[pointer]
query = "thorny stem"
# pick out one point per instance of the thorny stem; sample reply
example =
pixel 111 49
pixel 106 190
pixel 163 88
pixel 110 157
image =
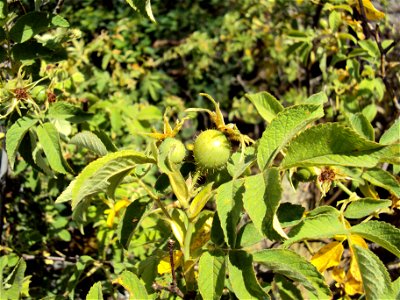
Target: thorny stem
pixel 171 244
pixel 368 33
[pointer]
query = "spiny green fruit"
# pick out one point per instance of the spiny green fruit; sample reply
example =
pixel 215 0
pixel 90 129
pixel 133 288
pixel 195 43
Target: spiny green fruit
pixel 211 150
pixel 177 148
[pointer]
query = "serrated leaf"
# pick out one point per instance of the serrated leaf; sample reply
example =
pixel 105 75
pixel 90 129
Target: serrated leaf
pixel 316 226
pixel 266 104
pixel 384 234
pixel 95 292
pixel 383 179
pixel 211 275
pixel 99 175
pixel 16 280
pixel 328 256
pixel 364 207
pixel 89 140
pixel 242 277
pixel 283 128
pixel 392 135
pixel 261 201
pixel 50 140
pixel 133 285
pixel 332 144
pixel 375 278
pixel 67 111
pixel 143 6
pixel 15 134
pixel 295 267
pixel 129 221
pixel 229 206
pixel 362 126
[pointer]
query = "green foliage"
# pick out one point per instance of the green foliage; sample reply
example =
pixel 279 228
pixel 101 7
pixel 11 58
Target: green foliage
pixel 101 197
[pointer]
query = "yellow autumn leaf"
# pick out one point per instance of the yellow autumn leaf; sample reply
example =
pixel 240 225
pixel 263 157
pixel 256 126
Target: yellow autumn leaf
pixel 353 284
pixel 371 12
pixel 328 256
pixel 113 211
pixel 164 265
pixel 358 240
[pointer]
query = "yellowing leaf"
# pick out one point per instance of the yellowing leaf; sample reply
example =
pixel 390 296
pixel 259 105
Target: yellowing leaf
pixel 353 284
pixel 358 240
pixel 328 256
pixel 371 12
pixel 164 265
pixel 203 235
pixel 339 275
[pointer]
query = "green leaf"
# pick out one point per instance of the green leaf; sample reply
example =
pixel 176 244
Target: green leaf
pixel 261 201
pixel 28 25
pixel 383 179
pixel 143 7
pixel 283 128
pixel 15 135
pixel 95 292
pixel 295 267
pixel 332 144
pixel 248 236
pixel 375 278
pixel 384 234
pixel 371 47
pixel 320 223
pixel 266 104
pixel 16 279
pixel 392 135
pixel 287 290
pixel 59 21
pixel 290 214
pixel 242 277
pixel 3 9
pixel 89 140
pixel 50 141
pixel 362 126
pixel 334 20
pixel 211 275
pixel 178 185
pixel 200 200
pixel 66 111
pixel 66 195
pixel 130 220
pixel 317 99
pixel 133 285
pixel 364 207
pixel 229 206
pixel 101 174
pixel 73 280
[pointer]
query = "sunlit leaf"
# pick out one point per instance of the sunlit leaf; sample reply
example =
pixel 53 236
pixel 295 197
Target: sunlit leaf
pixel 328 256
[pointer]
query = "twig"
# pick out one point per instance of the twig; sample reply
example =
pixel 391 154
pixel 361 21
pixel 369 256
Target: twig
pixel 376 34
pixel 58 7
